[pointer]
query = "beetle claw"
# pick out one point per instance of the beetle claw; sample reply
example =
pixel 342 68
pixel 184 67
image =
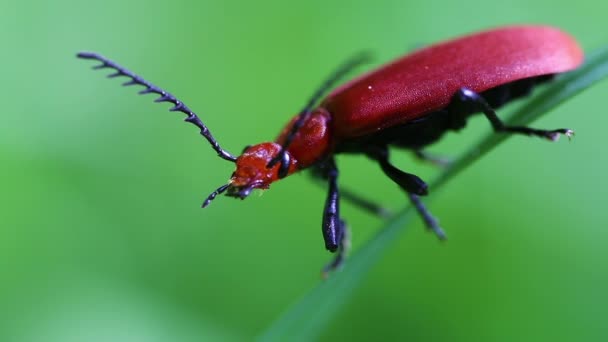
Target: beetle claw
pixel 555 134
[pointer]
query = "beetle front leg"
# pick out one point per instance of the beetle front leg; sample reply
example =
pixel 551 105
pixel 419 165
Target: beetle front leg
pixel 332 225
pixel 342 252
pixel 320 175
pixel 468 100
pixel 335 232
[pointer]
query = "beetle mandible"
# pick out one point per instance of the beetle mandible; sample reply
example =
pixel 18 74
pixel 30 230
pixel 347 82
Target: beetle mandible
pixel 408 103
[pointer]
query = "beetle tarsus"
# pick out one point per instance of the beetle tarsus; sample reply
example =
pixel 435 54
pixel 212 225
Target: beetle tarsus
pixel 341 254
pixel 164 97
pixel 557 133
pixel 430 221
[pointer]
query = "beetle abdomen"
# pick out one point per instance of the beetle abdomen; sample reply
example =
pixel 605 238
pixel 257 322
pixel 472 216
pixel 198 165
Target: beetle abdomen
pixel 425 81
pixel 425 130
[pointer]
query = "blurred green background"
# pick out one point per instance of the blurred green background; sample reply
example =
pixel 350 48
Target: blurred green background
pixel 102 237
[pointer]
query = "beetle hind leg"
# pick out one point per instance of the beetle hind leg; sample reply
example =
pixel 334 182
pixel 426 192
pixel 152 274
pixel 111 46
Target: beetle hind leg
pixel 470 101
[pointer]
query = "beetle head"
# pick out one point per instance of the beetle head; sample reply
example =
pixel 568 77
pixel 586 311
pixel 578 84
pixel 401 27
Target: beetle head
pixel 252 172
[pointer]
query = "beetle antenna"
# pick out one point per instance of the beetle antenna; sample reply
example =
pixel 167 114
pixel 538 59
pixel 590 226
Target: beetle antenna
pixel 164 97
pixel 214 194
pixel 345 68
pixel 330 82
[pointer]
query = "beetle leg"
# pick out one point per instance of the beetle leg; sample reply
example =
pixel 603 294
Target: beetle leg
pixel 406 181
pixel 319 173
pixel 335 232
pixel 474 102
pixel 342 253
pixel 332 226
pixel 365 204
pixel 410 183
pixel 429 220
pixel 305 113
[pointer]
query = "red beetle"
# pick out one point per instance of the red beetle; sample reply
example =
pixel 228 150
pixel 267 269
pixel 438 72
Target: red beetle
pixel 408 103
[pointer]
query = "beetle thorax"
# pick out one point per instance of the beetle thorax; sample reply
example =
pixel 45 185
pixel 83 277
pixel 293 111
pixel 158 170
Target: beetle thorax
pixel 313 141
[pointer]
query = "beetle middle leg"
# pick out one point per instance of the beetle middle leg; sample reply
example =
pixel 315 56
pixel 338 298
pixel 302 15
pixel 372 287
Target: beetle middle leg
pixel 411 184
pixel 468 101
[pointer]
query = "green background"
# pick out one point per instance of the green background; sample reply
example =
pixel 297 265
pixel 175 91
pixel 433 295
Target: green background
pixel 102 237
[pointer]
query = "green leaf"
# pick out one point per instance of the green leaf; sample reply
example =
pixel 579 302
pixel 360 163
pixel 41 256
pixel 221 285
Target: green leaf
pixel 309 317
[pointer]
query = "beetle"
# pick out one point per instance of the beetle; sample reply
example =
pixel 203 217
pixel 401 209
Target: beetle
pixel 408 103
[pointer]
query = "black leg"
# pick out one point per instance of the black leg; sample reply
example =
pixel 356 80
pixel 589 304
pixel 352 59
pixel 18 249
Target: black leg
pixel 407 181
pixel 365 204
pixel 429 220
pixel 411 184
pixel 329 83
pixel 320 173
pixel 332 225
pixel 342 253
pixel 164 97
pixel 469 101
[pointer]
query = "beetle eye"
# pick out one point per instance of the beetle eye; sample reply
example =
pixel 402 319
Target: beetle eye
pixel 246 148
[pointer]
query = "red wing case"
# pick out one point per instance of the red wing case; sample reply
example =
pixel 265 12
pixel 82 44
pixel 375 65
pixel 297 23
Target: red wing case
pixel 425 81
